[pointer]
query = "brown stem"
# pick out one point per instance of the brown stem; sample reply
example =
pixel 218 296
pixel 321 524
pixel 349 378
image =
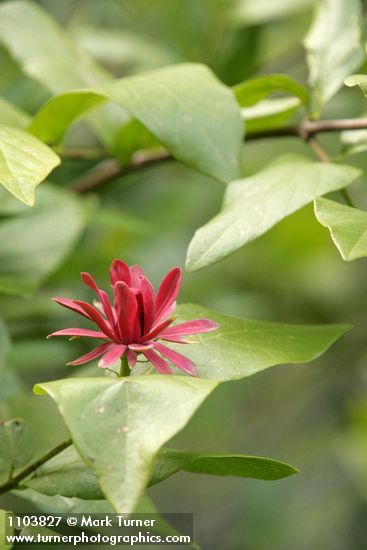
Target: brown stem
pixel 14 482
pixel 324 157
pixel 109 169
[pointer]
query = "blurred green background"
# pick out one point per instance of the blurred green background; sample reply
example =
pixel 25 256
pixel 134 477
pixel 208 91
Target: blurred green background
pixel 314 416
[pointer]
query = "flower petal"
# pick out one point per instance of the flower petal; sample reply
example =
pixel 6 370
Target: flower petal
pixel 90 355
pixel 131 358
pixel 79 332
pixel 136 273
pixel 182 362
pixel 160 364
pixel 127 313
pixel 114 353
pixel 102 295
pixel 197 326
pixel 119 271
pixel 167 292
pixel 156 331
pixel 69 304
pixel 95 316
pixel 147 297
pixel 140 347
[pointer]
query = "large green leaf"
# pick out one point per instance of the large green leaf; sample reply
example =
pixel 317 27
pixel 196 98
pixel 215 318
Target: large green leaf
pixel 254 90
pixel 67 475
pixel 24 162
pixel 254 204
pixel 243 347
pixel 52 226
pixel 190 112
pixel 335 47
pixel 118 426
pixel 184 106
pixel 347 226
pixel 12 116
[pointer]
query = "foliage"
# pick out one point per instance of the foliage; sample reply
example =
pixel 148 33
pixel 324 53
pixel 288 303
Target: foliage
pixel 122 142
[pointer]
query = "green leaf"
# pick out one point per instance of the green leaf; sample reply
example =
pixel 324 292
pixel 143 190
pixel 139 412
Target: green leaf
pixel 11 115
pixel 270 113
pixel 184 106
pixel 54 225
pixel 190 112
pixel 347 226
pixel 118 426
pixel 170 461
pixel 67 475
pixel 24 162
pixel 256 203
pixel 242 347
pixel 254 90
pixel 53 119
pixel 335 47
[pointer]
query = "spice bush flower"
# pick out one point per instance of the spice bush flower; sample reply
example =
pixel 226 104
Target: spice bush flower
pixel 136 322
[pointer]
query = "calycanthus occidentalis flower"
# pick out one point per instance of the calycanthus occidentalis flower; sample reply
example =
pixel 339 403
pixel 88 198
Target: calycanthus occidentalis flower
pixel 136 322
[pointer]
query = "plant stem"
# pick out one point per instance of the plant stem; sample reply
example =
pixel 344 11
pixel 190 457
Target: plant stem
pixel 124 368
pixel 325 157
pixel 109 169
pixel 14 481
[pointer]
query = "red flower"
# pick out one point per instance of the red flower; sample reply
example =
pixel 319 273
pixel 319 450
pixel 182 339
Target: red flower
pixel 135 322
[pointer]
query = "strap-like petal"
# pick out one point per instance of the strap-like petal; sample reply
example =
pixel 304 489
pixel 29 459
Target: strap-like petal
pixel 114 352
pixel 127 313
pixel 167 292
pixel 90 355
pixel 102 295
pixel 156 331
pixel 146 292
pixel 119 271
pixel 95 316
pixel 79 332
pixel 160 364
pixel 70 304
pixel 196 326
pixel 182 362
pixel 131 358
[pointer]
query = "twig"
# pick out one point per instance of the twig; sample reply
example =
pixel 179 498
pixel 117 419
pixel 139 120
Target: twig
pixel 324 157
pixel 14 482
pixel 109 169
